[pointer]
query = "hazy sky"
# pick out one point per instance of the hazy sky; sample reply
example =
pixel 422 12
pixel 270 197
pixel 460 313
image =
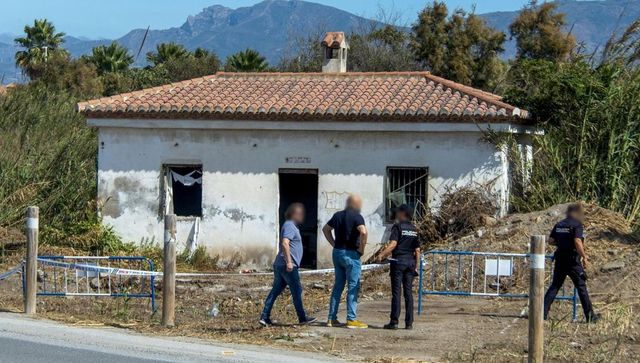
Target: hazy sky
pixel 114 18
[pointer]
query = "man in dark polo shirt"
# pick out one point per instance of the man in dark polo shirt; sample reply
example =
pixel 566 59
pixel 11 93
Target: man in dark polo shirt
pixel 348 246
pixel 404 248
pixel 570 260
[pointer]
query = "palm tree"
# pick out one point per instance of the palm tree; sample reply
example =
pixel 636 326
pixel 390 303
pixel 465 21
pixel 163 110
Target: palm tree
pixel 201 53
pixel 112 58
pixel 247 60
pixel 167 51
pixel 39 42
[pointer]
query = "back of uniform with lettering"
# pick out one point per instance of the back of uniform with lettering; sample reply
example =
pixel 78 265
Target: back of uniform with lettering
pixel 564 233
pixel 407 236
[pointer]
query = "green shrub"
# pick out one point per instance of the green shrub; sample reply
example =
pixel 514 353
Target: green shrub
pixel 590 149
pixel 47 158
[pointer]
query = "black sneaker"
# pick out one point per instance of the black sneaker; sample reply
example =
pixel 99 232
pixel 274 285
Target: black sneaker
pixel 309 320
pixel 265 322
pixel 593 318
pixel 391 326
pixel 408 327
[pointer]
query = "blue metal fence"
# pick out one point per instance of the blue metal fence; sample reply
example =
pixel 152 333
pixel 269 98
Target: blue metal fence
pixel 99 276
pixel 455 273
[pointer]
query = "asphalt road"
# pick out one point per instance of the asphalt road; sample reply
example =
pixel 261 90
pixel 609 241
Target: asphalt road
pixel 16 350
pixel 30 340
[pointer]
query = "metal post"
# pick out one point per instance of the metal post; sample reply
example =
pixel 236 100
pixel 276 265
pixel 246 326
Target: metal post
pixel 153 287
pixel 536 299
pixel 420 285
pixel 31 270
pixel 169 274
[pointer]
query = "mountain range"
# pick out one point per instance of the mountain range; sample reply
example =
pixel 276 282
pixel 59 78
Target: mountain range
pixel 269 27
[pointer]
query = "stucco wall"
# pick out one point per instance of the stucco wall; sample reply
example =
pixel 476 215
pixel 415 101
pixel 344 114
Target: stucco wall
pixel 240 181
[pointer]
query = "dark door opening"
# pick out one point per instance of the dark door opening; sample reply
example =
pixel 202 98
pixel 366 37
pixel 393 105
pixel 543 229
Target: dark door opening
pixel 301 186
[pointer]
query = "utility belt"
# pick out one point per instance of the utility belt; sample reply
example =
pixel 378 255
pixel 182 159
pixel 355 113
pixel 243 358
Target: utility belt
pixel 403 259
pixel 567 256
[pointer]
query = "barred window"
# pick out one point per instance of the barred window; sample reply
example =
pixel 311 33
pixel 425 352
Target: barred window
pixel 406 185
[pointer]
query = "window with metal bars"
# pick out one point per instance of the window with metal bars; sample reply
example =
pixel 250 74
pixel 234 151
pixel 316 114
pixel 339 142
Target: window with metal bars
pixel 406 185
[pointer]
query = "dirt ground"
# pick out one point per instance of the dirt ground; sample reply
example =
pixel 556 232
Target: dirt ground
pixel 452 329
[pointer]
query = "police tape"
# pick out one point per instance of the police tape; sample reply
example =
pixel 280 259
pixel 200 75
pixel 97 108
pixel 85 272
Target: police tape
pixel 101 269
pixel 129 272
pixel 369 267
pixel 15 270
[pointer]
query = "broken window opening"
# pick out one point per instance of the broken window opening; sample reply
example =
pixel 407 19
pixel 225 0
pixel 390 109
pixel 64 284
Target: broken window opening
pixel 406 185
pixel 183 190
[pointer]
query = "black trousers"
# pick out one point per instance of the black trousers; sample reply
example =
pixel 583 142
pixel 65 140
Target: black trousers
pixel 569 266
pixel 402 275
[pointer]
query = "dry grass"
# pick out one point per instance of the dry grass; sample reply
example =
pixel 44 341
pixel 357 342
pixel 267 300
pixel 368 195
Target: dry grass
pixel 616 294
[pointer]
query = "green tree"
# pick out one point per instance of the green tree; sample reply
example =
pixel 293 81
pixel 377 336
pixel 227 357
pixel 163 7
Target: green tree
pixel 112 58
pixel 247 60
pixel 457 54
pixel 460 47
pixel 372 48
pixel 486 45
pixel 74 76
pixel 167 51
pixel 134 79
pixel 197 64
pixel 200 63
pixel 304 54
pixel 539 34
pixel 40 42
pixel 429 37
pixel 591 146
pixel 201 53
pixel 380 49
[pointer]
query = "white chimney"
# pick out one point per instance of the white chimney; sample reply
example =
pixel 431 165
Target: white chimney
pixel 335 48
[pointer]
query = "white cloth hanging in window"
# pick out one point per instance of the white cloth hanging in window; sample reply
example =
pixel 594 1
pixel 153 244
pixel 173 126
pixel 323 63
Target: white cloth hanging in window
pixel 186 180
pixel 192 242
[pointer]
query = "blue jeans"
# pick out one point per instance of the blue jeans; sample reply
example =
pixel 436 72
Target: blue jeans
pixel 282 279
pixel 347 265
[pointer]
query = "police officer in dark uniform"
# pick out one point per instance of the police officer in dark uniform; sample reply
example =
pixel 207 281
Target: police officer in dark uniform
pixel 570 260
pixel 404 249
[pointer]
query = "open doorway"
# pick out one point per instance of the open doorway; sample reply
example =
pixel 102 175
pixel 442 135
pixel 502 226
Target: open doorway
pixel 301 186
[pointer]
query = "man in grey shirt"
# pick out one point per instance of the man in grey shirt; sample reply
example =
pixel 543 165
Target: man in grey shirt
pixel 285 266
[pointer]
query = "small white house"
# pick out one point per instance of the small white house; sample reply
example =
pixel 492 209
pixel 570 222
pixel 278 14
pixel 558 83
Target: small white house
pixel 228 152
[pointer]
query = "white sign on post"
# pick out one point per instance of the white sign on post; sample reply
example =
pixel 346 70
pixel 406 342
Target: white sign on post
pixel 494 267
pixel 85 273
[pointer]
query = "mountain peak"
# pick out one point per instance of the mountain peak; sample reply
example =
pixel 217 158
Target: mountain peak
pixel 211 16
pixel 261 26
pixel 267 26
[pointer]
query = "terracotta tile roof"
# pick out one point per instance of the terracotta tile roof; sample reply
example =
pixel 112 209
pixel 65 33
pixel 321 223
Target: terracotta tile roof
pixel 406 96
pixel 333 39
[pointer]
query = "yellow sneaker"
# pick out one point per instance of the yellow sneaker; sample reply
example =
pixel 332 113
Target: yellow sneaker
pixel 355 324
pixel 333 323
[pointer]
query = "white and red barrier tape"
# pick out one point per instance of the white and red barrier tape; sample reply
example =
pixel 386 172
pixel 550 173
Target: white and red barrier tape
pixel 101 269
pixel 129 272
pixel 370 267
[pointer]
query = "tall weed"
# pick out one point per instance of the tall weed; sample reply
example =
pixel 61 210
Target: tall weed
pixel 590 149
pixel 47 158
